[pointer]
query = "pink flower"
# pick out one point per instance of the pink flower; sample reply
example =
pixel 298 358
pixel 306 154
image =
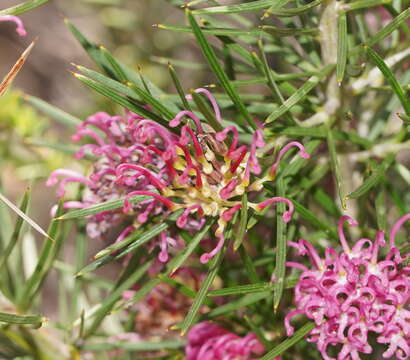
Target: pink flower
pixel 208 341
pixel 185 169
pixel 353 293
pixel 20 27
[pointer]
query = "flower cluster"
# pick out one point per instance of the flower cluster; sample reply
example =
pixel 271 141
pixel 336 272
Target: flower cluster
pixel 20 27
pixel 208 341
pixel 352 293
pixel 186 167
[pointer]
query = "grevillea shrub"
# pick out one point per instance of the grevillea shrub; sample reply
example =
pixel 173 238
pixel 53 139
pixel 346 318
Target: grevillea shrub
pixel 262 214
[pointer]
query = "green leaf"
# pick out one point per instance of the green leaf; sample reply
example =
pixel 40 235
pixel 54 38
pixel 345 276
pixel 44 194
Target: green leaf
pixel 206 111
pixel 171 267
pixel 114 295
pixel 250 288
pixel 101 207
pixel 128 104
pixel 300 94
pixel 23 7
pixel 230 9
pixel 211 31
pixel 384 31
pixel 218 71
pixel 240 303
pixel 140 346
pixel 373 179
pixel 281 247
pixel 52 111
pixel 242 223
pixel 16 233
pixel 35 320
pixel 105 61
pixel 334 161
pixel 363 4
pixel 289 342
pixel 21 214
pixel 398 90
pixel 314 220
pixel 277 31
pixel 341 48
pixel 47 256
pixel 289 12
pixel 129 244
pixel 203 291
pixel 178 87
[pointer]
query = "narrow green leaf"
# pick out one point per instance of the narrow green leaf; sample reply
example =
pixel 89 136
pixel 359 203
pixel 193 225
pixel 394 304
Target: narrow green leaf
pixel 242 223
pixel 121 76
pixel 398 90
pixel 99 56
pixel 381 209
pixel 149 99
pixel 281 247
pixel 289 12
pixel 373 179
pixel 45 262
pixel 264 68
pixel 211 31
pixel 334 161
pixel 231 9
pixel 240 303
pixel 206 111
pixel 130 105
pixel 218 70
pixel 129 244
pixel 315 221
pixel 300 94
pixel 248 264
pixel 35 320
pixel 384 31
pixel 173 265
pixel 250 288
pixel 203 291
pixel 52 111
pixel 98 208
pixel 23 7
pixel 130 90
pixel 178 86
pixel 363 4
pixel 277 31
pixel 16 233
pixel 116 293
pixel 140 346
pixel 341 48
pixel 26 218
pixel 289 342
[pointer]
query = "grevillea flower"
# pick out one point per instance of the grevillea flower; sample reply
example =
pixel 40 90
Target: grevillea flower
pixel 188 168
pixel 353 293
pixel 208 341
pixel 20 27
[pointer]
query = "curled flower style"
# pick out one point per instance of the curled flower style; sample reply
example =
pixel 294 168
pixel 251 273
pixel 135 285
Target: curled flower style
pixel 353 293
pixel 208 341
pixel 20 27
pixel 202 172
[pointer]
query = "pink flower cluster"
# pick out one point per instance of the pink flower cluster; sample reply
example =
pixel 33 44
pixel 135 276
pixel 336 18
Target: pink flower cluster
pixel 354 293
pixel 20 27
pixel 185 167
pixel 208 341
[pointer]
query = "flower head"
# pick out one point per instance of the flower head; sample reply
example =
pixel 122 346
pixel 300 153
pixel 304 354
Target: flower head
pixel 353 293
pixel 203 173
pixel 208 341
